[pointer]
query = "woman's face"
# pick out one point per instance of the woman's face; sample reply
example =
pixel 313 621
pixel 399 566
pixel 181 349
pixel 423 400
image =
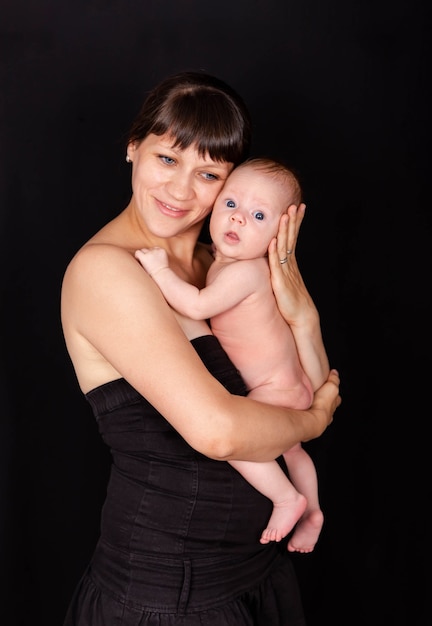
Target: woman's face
pixel 173 189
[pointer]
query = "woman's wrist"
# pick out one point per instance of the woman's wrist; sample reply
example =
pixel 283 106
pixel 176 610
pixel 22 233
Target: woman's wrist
pixel 308 323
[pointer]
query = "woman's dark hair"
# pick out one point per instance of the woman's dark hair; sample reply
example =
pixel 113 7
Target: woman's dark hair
pixel 197 108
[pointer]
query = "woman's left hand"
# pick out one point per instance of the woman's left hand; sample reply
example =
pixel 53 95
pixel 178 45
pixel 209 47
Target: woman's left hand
pixel 293 299
pixel 291 295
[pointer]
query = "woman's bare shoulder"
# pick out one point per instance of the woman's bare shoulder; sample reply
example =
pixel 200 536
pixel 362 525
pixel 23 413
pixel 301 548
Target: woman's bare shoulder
pixel 94 257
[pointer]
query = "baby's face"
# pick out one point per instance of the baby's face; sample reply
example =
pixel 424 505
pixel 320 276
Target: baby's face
pixel 247 212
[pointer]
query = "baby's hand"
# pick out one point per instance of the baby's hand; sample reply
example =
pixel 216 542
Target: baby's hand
pixel 152 259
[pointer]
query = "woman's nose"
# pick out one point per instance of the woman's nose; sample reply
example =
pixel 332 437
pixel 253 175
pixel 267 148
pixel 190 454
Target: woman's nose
pixel 180 187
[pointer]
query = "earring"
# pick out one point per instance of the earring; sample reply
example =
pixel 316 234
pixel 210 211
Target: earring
pixel 128 159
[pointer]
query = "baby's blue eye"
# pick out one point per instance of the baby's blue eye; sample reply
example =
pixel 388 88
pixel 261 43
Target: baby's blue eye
pixel 230 204
pixel 258 215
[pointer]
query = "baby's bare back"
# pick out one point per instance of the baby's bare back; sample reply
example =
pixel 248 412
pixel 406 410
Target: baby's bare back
pixel 261 345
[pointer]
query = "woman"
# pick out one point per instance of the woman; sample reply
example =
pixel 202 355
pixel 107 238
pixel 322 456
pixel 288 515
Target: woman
pixel 180 528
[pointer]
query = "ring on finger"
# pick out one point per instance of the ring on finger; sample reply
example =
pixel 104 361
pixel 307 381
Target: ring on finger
pixel 282 261
pixel 289 251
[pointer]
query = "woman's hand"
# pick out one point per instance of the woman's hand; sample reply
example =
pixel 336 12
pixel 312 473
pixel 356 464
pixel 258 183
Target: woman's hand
pixel 293 299
pixel 291 295
pixel 326 400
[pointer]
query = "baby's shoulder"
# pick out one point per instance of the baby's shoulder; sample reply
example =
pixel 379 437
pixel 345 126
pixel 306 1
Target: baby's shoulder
pixel 248 271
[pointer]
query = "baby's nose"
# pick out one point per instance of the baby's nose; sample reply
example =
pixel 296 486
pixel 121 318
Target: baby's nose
pixel 237 217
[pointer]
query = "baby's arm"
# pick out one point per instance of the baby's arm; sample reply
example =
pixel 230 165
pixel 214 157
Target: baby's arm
pixel 187 299
pixel 152 259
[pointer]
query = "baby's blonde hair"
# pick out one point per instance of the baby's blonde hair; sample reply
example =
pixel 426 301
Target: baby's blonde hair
pixel 281 172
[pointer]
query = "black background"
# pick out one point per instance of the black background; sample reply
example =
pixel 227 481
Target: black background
pixel 339 90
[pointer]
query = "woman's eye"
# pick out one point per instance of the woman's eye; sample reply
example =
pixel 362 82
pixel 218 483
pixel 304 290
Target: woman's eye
pixel 230 204
pixel 166 159
pixel 209 176
pixel 258 215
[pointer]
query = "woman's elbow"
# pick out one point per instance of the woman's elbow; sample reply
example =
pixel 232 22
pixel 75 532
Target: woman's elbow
pixel 214 430
pixel 219 447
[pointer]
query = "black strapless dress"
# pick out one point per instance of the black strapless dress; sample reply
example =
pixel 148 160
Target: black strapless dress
pixel 179 541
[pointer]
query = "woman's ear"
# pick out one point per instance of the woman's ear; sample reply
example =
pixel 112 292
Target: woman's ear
pixel 130 151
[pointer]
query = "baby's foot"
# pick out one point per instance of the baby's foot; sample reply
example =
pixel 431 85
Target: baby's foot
pixel 306 532
pixel 283 518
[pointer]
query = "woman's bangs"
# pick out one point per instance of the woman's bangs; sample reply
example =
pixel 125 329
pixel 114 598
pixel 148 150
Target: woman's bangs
pixel 191 121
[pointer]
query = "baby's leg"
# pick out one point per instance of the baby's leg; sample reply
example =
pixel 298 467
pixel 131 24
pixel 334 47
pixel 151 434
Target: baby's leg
pixel 303 474
pixel 288 504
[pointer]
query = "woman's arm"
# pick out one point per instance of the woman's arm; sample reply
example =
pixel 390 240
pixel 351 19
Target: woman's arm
pixel 114 313
pixel 294 300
